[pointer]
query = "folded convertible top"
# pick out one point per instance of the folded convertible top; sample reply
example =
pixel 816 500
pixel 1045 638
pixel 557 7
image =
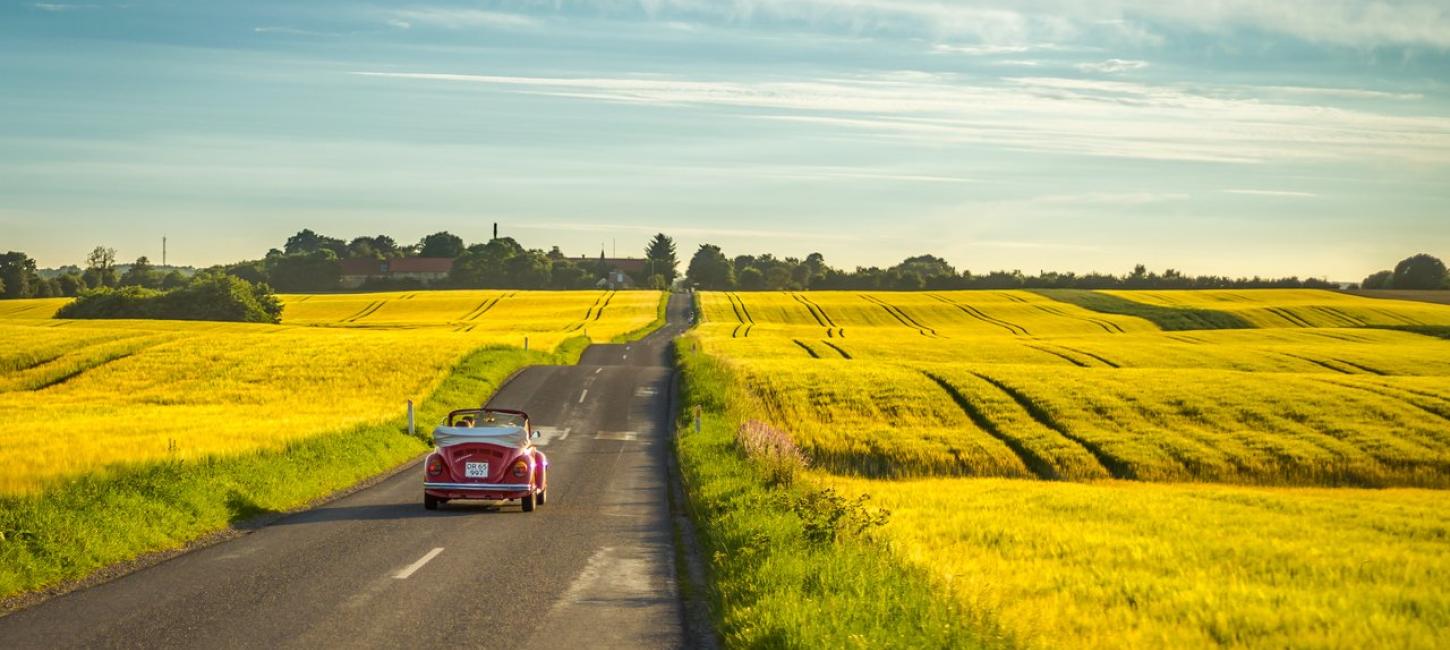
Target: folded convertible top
pixel 508 435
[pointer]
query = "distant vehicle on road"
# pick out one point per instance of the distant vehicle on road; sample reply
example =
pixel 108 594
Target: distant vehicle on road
pixel 485 454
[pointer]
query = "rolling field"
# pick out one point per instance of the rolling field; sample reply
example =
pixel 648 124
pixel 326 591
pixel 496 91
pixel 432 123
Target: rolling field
pixel 78 396
pixel 1297 307
pixel 1054 466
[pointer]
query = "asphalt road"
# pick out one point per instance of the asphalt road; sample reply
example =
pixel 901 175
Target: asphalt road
pixel 594 568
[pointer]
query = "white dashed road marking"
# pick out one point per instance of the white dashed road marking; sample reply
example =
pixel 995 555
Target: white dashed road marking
pixel 582 394
pixel 411 568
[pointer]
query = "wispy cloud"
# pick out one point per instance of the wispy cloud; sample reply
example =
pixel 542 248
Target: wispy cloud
pixel 57 7
pixel 292 31
pixel 1351 93
pixel 1112 66
pixel 980 50
pixel 451 18
pixel 1107 198
pixel 1048 114
pixel 1278 193
pixel 1352 23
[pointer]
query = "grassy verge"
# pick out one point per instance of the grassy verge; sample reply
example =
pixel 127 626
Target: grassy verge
pixel 653 325
pixel 775 580
pixel 1167 318
pixel 79 526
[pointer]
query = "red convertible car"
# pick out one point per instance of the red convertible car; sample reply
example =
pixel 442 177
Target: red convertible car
pixel 485 454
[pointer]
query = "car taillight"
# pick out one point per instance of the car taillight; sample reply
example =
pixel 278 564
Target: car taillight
pixel 435 466
pixel 521 468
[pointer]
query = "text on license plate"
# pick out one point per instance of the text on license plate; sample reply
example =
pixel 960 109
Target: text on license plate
pixel 475 470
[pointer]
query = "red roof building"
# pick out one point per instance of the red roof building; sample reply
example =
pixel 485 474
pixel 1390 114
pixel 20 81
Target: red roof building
pixel 355 272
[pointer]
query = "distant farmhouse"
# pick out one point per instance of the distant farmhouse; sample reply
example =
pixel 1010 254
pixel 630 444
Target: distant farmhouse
pixel 621 271
pixel 427 270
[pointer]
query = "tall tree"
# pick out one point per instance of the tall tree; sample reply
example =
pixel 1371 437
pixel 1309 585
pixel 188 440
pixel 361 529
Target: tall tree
pixel 1378 280
pixel 660 258
pixel 17 274
pixel 441 244
pixel 142 274
pixel 710 269
pixel 100 268
pixel 307 241
pixel 314 271
pixel 1420 272
pixel 486 266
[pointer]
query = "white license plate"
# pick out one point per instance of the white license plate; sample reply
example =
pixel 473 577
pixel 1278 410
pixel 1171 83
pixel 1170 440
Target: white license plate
pixel 475 470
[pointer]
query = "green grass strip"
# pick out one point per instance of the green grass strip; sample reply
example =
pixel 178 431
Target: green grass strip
pixel 1166 318
pixel 78 526
pixel 771 587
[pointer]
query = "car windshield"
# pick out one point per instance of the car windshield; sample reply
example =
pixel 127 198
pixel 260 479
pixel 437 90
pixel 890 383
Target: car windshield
pixel 496 419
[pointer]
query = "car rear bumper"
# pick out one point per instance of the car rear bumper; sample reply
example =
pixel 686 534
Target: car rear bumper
pixel 485 491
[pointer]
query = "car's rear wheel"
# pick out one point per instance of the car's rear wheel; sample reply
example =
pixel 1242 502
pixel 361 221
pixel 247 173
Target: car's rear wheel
pixel 431 502
pixel 543 497
pixel 527 502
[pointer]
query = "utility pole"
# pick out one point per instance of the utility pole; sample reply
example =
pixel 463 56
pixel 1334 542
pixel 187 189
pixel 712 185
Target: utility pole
pixel 163 251
pixel 495 230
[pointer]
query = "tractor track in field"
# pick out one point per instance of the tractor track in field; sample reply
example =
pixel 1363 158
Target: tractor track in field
pixel 819 314
pixel 486 306
pixel 1099 358
pixel 1329 364
pixel 1322 364
pixel 1112 466
pixel 607 299
pixel 807 348
pixel 1060 355
pixel 87 365
pixel 1293 318
pixel 1035 463
pixel 589 314
pixel 901 316
pixel 742 313
pixel 369 310
pixel 1340 337
pixel 1331 312
pixel 1399 317
pixel 1106 325
pixel 822 317
pixel 1390 393
pixel 844 354
pixel 1015 329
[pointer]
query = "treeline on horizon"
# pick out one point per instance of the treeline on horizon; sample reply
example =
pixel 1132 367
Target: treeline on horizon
pixel 310 262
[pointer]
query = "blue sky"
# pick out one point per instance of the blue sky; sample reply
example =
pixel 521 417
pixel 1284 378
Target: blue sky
pixel 1214 136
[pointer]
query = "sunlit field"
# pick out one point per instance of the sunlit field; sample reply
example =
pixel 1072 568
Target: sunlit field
pixel 1131 565
pixel 1085 479
pixel 1298 307
pixel 77 396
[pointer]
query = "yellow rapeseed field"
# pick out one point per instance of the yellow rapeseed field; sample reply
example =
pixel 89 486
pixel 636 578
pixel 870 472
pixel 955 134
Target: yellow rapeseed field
pixel 1143 565
pixel 1298 307
pixel 1055 467
pixel 78 396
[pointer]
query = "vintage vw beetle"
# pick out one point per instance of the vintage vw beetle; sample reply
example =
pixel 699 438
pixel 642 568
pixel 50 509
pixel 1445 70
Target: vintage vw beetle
pixel 485 454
